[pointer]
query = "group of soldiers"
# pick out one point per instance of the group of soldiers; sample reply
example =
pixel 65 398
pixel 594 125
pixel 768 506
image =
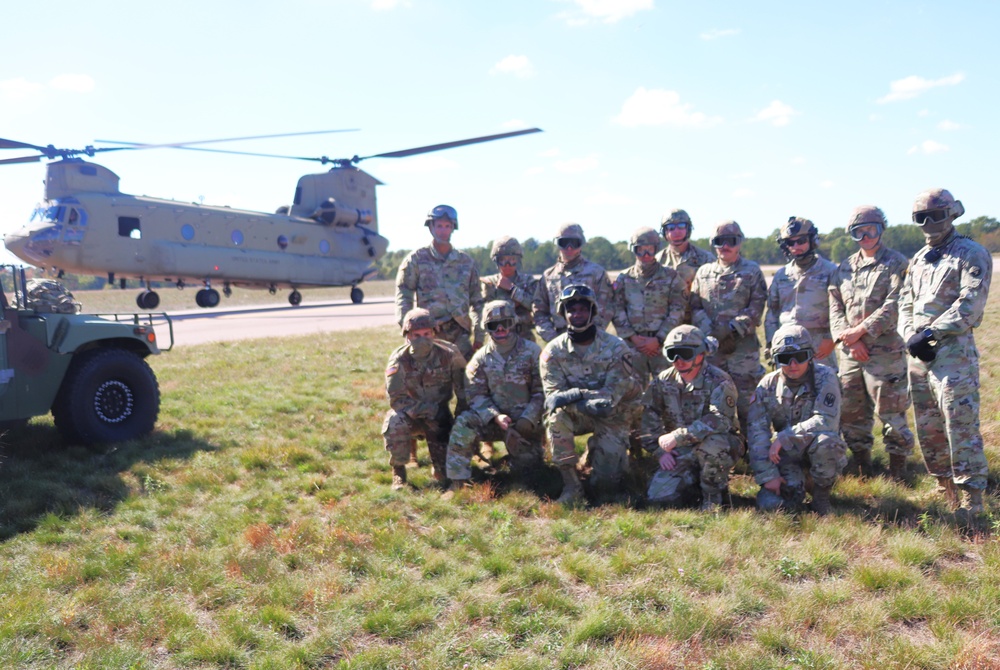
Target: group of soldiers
pixel 683 379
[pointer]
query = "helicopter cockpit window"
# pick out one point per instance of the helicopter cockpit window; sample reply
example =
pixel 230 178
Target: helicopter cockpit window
pixel 282 241
pixel 187 232
pixel 77 217
pixel 237 237
pixel 324 246
pixel 128 226
pixel 54 214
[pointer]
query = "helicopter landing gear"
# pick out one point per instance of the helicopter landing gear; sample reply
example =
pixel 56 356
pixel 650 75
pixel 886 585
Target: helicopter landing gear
pixel 294 298
pixel 357 295
pixel 227 290
pixel 207 297
pixel 272 289
pixel 148 300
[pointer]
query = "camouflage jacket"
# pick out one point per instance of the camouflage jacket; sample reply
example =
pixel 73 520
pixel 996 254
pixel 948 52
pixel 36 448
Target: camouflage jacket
pixel 947 295
pixel 866 291
pixel 800 296
pixel 505 384
pixel 796 414
pixel 558 277
pixel 688 412
pixel 648 306
pixel 604 367
pixel 686 265
pixel 418 388
pixel 446 286
pixel 521 295
pixel 723 294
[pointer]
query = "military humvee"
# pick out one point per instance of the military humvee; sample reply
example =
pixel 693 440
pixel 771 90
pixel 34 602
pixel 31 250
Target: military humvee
pixel 87 369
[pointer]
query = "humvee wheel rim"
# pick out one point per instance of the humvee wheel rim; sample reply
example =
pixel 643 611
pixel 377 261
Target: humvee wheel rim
pixel 113 401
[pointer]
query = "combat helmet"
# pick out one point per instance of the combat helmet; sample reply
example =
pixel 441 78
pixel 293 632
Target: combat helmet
pixel 936 205
pixel 727 229
pixel 506 246
pixel 499 310
pixel 791 338
pixel 866 215
pixel 416 319
pixel 676 216
pixel 571 230
pixel 796 227
pixel 575 293
pixel 685 337
pixel 442 212
pixel 645 237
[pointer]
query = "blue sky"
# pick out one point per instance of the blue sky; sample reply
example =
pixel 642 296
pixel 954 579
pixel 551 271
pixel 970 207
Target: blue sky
pixel 731 110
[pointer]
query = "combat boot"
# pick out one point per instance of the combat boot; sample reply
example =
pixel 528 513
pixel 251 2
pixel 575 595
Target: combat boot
pixel 456 486
pixel 897 467
pixel 398 477
pixel 862 463
pixel 821 500
pixel 946 487
pixel 972 500
pixel 572 488
pixel 413 454
pixel 711 500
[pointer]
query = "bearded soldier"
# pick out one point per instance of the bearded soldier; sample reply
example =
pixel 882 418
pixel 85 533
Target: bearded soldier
pixel 680 253
pixel 943 300
pixel 511 284
pixel 864 314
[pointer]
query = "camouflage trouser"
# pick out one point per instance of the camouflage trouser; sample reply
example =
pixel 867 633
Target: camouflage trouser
pixel 743 365
pixel 946 406
pixel 877 386
pixel 706 464
pixel 607 448
pixel 825 455
pixel 452 331
pixel 398 430
pixel 468 429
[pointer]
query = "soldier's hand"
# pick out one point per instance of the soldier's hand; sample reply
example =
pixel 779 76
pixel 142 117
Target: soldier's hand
pixel 774 454
pixel 825 348
pixel 561 398
pixel 666 442
pixel 667 461
pixel 859 351
pixel 598 407
pixel 919 345
pixel 774 486
pixel 852 335
pixel 503 421
pixel 726 337
pixel 505 283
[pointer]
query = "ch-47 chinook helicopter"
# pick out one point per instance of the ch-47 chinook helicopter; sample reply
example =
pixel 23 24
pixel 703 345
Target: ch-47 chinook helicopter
pixel 327 237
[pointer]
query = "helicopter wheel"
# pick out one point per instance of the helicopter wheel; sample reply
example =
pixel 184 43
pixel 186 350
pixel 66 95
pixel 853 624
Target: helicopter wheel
pixel 148 300
pixel 357 295
pixel 295 298
pixel 207 297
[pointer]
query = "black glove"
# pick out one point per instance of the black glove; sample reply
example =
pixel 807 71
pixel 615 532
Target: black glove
pixel 560 398
pixel 597 407
pixel 726 337
pixel 524 427
pixel 920 345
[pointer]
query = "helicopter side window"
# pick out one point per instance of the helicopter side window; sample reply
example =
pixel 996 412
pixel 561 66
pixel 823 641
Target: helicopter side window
pixel 237 237
pixel 128 226
pixel 324 246
pixel 77 217
pixel 187 232
pixel 282 242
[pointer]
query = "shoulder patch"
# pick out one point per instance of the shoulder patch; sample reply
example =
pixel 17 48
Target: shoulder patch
pixel 829 400
pixel 627 363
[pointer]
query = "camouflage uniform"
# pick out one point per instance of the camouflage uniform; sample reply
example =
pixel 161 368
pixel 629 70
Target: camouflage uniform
pixel 498 383
pixel 650 306
pixel 701 416
pixel 866 291
pixel 948 296
pixel 602 369
pixel 686 265
pixel 521 295
pixel 722 295
pixel 419 392
pixel 448 287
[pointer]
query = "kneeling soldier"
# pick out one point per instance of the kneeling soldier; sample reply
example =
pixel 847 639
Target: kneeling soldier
pixel 505 398
pixel 689 422
pixel 794 424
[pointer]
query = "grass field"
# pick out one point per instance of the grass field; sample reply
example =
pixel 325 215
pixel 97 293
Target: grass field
pixel 256 529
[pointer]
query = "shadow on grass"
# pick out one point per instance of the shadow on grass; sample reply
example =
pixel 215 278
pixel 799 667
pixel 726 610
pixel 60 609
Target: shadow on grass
pixel 40 474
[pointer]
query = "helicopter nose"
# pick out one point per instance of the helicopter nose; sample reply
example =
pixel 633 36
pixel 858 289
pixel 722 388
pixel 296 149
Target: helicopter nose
pixel 31 246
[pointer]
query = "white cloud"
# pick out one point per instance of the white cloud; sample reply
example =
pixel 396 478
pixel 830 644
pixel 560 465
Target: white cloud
pixel 949 125
pixel 777 114
pixel 606 198
pixel 76 83
pixel 928 147
pixel 743 193
pixel 18 89
pixel 386 5
pixel 519 66
pixel 605 11
pixel 577 165
pixel 658 107
pixel 912 86
pixel 716 34
pixel 826 183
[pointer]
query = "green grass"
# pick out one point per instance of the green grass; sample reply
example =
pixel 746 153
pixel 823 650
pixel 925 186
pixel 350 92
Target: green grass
pixel 256 529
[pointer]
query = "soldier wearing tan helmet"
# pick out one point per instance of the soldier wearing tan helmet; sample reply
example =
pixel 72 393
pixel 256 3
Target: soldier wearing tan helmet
pixel 799 290
pixel 944 297
pixel 680 253
pixel 571 269
pixel 420 379
pixel 864 315
pixel 511 284
pixel 442 280
pixel 727 302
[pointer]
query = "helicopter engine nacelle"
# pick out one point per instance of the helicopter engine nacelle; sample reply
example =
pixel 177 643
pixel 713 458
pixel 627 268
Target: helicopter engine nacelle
pixel 332 214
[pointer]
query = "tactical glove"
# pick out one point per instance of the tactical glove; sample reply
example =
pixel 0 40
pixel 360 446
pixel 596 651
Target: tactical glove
pixel 515 442
pixel 920 345
pixel 561 398
pixel 726 337
pixel 597 407
pixel 524 427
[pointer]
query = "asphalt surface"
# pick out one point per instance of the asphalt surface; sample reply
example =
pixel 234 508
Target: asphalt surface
pixel 223 325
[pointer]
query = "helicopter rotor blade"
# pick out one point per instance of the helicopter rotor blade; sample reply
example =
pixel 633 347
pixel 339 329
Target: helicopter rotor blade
pixel 136 145
pixel 447 145
pixel 181 145
pixel 14 144
pixel 22 159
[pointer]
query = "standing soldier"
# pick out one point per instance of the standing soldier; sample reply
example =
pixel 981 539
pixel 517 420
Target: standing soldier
pixel 943 299
pixel 571 269
pixel 649 301
pixel 864 314
pixel 680 254
pixel 689 423
pixel 509 284
pixel 504 391
pixel 442 280
pixel 420 378
pixel 727 300
pixel 799 291
pixel 590 387
pixel 794 424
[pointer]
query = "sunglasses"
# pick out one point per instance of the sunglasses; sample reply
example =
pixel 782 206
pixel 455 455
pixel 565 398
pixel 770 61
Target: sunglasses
pixel 683 353
pixel 508 263
pixel 797 356
pixel 644 251
pixel 859 233
pixel 726 241
pixel 674 226
pixel 569 243
pixel 796 241
pixel 930 216
pixel 494 326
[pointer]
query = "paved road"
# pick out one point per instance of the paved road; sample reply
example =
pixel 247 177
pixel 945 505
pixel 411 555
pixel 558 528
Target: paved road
pixel 204 325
